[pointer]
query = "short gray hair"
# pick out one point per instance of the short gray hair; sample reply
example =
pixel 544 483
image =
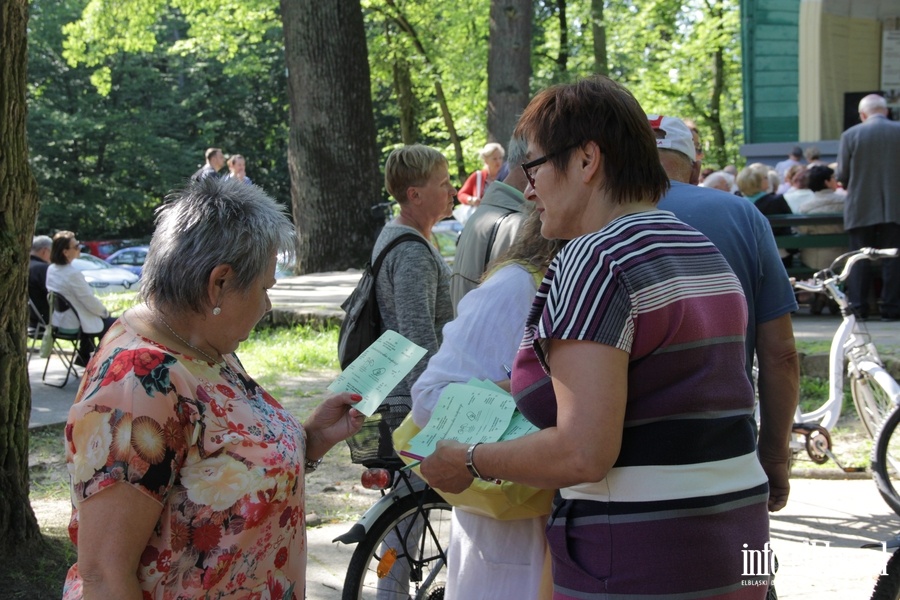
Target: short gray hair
pixel 212 222
pixel 41 242
pixel 489 149
pixel 518 148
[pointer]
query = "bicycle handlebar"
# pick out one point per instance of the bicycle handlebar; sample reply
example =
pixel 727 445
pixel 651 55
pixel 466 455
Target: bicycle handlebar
pixel 830 276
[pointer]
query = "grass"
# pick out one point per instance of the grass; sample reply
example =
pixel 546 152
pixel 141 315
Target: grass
pixel 850 444
pixel 274 354
pixel 116 304
pixel 814 391
pixel 271 355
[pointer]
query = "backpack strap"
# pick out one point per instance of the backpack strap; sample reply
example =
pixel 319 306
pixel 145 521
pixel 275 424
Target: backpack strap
pixel 406 237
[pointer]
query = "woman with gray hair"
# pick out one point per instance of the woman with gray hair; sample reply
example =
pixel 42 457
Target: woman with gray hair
pixel 186 476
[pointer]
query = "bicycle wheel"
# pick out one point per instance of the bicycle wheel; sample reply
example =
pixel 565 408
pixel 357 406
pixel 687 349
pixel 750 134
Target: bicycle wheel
pixel 418 570
pixel 887 587
pixel 872 402
pixel 886 461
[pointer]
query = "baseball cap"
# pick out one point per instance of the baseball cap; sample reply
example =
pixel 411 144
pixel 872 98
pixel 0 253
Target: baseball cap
pixel 672 134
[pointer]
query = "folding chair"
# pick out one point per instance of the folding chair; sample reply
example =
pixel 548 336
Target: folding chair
pixel 72 336
pixel 36 331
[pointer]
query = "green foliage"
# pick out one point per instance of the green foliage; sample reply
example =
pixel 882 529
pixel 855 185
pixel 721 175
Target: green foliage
pixel 126 95
pixel 104 159
pixel 664 51
pixel 445 43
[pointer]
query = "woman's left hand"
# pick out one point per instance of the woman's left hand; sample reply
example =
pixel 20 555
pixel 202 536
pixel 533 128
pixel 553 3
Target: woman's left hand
pixel 334 420
pixel 445 469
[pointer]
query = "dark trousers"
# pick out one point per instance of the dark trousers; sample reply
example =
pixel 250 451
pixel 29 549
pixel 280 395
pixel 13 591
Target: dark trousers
pixel 884 235
pixel 87 345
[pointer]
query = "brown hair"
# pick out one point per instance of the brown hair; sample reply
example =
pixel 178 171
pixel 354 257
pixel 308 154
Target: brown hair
pixel 61 242
pixel 600 110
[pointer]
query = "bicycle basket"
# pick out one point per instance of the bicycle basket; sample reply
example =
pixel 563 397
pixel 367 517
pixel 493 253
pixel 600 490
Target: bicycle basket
pixel 373 443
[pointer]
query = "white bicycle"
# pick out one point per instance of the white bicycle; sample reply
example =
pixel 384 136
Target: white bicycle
pixel 875 392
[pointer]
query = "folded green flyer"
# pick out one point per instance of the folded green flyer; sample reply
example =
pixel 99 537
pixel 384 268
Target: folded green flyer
pixel 473 412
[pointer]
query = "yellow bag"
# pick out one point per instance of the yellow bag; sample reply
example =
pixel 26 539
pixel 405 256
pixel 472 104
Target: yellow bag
pixel 505 502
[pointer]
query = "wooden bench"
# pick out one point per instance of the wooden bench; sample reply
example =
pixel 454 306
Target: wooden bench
pixel 807 240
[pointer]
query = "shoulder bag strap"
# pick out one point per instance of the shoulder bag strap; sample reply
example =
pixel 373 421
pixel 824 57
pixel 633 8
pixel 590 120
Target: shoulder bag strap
pixel 492 238
pixel 406 237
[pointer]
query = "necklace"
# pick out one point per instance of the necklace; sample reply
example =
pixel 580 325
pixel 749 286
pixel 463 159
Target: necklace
pixel 187 343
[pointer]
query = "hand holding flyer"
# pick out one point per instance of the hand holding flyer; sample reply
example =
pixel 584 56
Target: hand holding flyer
pixel 378 370
pixel 474 412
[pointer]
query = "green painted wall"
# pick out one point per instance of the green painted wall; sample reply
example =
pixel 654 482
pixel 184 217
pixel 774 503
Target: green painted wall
pixel 769 40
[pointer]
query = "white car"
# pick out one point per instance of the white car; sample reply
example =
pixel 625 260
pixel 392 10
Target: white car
pixel 103 277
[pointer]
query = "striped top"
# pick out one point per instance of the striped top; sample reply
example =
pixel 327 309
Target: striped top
pixel 659 290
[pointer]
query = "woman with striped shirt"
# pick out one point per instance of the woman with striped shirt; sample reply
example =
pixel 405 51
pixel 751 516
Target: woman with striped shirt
pixel 632 365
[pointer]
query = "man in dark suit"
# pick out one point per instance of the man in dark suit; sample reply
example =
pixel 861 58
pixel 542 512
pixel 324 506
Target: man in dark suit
pixel 215 160
pixel 37 277
pixel 868 171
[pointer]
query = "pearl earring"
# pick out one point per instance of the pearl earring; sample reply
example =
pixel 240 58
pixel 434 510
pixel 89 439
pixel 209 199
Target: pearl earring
pixel 217 311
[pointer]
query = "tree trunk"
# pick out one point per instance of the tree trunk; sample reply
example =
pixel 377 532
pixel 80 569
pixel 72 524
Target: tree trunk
pixel 562 59
pixel 396 14
pixel 509 66
pixel 598 27
pixel 332 155
pixel 406 100
pixel 18 208
pixel 715 100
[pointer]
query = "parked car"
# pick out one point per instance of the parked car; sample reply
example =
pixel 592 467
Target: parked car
pixel 129 258
pixel 103 277
pixel 101 248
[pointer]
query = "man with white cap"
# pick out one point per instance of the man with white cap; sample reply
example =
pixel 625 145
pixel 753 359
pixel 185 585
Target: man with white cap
pixel 743 236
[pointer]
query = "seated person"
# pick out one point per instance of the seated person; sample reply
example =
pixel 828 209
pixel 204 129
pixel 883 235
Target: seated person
pixel 826 198
pixel 37 278
pixel 64 279
pixel 753 183
pixel 799 192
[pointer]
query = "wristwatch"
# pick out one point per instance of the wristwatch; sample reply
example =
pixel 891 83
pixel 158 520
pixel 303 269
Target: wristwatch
pixel 311 465
pixel 470 465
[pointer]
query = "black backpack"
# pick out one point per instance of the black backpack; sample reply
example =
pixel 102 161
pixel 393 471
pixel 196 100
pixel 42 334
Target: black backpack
pixel 362 323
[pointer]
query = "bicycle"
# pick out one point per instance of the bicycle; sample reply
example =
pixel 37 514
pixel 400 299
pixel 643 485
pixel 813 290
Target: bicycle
pixel 401 540
pixel 886 458
pixel 887 586
pixel 874 391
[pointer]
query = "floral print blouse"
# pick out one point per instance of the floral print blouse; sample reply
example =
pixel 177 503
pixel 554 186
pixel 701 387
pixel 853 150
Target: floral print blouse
pixel 220 455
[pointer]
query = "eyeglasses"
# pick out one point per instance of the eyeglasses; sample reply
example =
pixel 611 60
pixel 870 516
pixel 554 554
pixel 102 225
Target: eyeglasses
pixel 531 167
pixel 77 246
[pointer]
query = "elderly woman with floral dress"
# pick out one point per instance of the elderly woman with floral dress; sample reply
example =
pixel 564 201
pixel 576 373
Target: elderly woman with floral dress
pixel 187 476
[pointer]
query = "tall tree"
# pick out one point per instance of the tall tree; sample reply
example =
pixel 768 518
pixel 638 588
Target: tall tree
pixel 105 157
pixel 331 149
pixel 396 14
pixel 509 66
pixel 18 207
pixel 331 209
pixel 682 57
pixel 598 27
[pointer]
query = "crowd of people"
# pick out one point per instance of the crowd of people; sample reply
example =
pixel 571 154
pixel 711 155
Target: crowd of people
pixel 618 301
